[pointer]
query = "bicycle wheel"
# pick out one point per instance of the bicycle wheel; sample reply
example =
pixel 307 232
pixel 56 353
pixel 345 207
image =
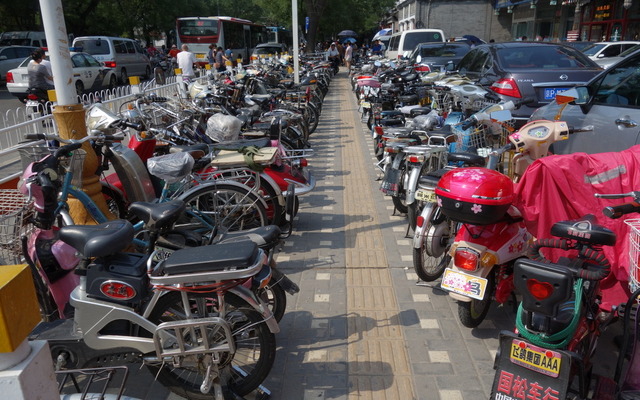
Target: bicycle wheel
pixel 242 371
pixel 223 205
pixel 275 298
pixel 115 202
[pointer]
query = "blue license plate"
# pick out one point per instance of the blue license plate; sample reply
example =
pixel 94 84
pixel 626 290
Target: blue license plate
pixel 550 93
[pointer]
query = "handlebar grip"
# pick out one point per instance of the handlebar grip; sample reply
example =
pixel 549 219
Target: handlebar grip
pixel 468 123
pixel 133 125
pixel 35 136
pixel 618 211
pixel 524 101
pixel 66 149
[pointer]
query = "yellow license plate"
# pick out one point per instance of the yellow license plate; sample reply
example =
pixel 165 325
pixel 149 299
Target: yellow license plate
pixel 200 56
pixel 365 104
pixel 535 358
pixel 464 284
pixel 426 195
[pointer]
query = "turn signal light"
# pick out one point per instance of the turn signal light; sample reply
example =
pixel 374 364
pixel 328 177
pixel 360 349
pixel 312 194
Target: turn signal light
pixel 466 259
pixel 539 290
pixel 506 87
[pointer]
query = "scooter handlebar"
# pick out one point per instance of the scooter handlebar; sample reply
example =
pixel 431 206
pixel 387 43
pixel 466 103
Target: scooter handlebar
pixel 618 211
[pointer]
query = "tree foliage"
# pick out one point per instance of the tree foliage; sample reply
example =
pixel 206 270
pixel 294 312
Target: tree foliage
pixel 145 18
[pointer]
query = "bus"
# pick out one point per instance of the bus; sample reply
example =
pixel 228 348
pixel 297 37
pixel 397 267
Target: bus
pixel 239 35
pixel 278 34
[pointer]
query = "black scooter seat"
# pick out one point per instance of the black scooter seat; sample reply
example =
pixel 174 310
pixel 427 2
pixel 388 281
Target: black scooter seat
pixel 584 230
pixel 238 144
pixel 468 159
pixel 215 257
pixel 98 240
pixel 431 179
pixel 266 237
pixel 158 216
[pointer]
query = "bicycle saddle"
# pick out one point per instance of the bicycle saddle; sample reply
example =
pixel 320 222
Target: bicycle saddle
pixel 98 240
pixel 158 216
pixel 584 230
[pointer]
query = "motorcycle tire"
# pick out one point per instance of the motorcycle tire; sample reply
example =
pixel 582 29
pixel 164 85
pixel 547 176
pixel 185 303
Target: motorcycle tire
pixel 431 259
pixel 255 344
pixel 275 298
pixel 399 202
pixel 472 313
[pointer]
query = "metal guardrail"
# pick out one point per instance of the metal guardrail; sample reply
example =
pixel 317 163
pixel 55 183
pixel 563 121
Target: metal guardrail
pixel 15 124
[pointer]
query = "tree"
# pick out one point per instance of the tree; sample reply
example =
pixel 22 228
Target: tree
pixel 315 9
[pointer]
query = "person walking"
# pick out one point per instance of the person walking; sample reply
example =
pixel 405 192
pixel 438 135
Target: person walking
pixel 186 59
pixel 211 59
pixel 348 56
pixel 220 60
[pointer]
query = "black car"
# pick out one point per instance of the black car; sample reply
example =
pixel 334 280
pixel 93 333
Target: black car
pixel 527 70
pixel 437 55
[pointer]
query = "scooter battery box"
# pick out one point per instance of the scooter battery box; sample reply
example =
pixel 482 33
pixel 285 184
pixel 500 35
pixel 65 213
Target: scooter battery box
pixel 121 278
pixel 475 195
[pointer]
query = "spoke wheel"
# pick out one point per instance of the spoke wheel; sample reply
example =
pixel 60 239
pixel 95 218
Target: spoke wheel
pixel 227 207
pixel 255 344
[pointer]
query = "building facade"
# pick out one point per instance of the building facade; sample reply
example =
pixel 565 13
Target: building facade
pixel 504 20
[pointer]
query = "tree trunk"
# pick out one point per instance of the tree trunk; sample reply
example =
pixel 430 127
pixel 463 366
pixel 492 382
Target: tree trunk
pixel 314 9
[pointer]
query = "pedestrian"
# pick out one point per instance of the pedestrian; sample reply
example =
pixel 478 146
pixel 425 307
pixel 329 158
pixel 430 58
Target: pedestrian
pixel 376 49
pixel 348 56
pixel 340 48
pixel 39 76
pixel 186 59
pixel 220 60
pixel 211 55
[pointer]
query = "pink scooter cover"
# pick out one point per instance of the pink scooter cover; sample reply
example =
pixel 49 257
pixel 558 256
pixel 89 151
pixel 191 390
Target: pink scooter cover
pixel 562 187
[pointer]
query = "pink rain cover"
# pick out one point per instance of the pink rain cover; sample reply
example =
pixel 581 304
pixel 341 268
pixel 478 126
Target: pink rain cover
pixel 562 187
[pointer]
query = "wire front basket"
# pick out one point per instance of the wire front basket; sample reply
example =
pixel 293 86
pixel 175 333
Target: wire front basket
pixel 14 213
pixel 482 139
pixel 634 253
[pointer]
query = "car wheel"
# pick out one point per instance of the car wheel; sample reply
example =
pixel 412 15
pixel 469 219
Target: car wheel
pixel 79 88
pixel 113 82
pixel 124 78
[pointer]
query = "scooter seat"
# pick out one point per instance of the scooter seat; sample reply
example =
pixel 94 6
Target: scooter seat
pixel 431 179
pixel 468 159
pixel 238 144
pixel 584 230
pixel 419 111
pixel 266 237
pixel 196 150
pixel 391 122
pixel 212 258
pixel 98 240
pixel 158 216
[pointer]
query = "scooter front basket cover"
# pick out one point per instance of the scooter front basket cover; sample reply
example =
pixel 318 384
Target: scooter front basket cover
pixel 475 195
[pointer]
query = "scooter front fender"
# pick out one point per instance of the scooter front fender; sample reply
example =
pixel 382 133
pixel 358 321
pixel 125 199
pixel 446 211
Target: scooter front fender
pixel 412 184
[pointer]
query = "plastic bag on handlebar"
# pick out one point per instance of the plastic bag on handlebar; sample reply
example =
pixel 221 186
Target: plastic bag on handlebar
pixel 427 122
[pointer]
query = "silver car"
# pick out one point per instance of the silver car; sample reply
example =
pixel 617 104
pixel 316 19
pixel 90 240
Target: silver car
pixel 11 57
pixel 610 102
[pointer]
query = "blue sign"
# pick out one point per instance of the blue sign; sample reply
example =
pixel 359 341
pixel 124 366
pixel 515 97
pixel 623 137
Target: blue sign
pixel 306 24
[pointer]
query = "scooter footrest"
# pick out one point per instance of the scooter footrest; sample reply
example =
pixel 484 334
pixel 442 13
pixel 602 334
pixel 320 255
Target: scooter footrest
pixel 192 336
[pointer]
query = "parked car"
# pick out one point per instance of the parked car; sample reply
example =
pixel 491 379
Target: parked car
pixel 11 57
pixel 438 55
pixel 266 49
pixel 601 50
pixel 609 61
pixel 88 75
pixel 527 70
pixel 578 44
pixel 610 103
pixel 125 56
pixel 402 43
pixel 23 38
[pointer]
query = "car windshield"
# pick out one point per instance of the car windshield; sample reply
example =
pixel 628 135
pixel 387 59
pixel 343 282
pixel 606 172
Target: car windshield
pixel 544 57
pixel 93 46
pixel 629 51
pixel 447 50
pixel 593 49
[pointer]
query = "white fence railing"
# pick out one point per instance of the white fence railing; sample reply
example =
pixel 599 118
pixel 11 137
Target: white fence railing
pixel 15 124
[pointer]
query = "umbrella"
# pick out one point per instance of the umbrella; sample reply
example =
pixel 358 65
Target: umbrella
pixel 382 32
pixel 347 33
pixel 349 39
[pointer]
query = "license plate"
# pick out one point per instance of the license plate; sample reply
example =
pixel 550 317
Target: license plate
pixel 200 56
pixel 535 358
pixel 391 183
pixel 550 93
pixel 464 284
pixel 365 104
pixel 426 195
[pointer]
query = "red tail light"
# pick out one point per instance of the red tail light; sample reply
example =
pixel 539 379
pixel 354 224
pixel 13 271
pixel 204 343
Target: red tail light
pixel 32 97
pixel 379 130
pixel 539 290
pixel 110 64
pixel 421 68
pixel 506 87
pixel 9 77
pixel 416 159
pixel 420 221
pixel 303 162
pixel 466 259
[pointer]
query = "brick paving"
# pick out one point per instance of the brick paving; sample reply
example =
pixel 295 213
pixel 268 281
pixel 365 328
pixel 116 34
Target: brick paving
pixel 362 327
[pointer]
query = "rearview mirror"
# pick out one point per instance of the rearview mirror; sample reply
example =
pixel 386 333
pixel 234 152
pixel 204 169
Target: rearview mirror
pixel 577 95
pixel 501 116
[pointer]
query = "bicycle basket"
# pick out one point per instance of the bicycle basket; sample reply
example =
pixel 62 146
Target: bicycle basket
pixel 30 154
pixel 14 211
pixel 634 253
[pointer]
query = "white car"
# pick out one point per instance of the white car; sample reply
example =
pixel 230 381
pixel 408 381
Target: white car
pixel 88 75
pixel 601 50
